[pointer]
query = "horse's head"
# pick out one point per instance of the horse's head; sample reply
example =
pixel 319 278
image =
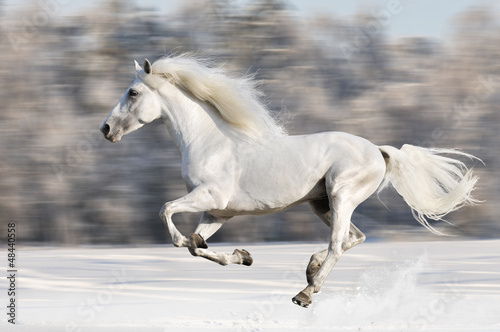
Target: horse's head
pixel 139 105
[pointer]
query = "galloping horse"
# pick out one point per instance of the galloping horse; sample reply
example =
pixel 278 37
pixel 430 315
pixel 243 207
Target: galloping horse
pixel 237 160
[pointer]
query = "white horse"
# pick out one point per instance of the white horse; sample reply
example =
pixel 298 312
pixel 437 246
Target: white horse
pixel 236 160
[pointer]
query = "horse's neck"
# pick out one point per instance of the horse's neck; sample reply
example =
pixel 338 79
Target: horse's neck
pixel 190 121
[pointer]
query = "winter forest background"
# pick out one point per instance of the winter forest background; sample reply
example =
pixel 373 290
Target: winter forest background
pixel 62 183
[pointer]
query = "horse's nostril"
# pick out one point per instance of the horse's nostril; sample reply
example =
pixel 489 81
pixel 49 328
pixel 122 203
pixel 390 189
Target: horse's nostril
pixel 105 129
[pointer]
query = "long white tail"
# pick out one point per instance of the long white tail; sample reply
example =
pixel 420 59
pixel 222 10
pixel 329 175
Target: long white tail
pixel 432 184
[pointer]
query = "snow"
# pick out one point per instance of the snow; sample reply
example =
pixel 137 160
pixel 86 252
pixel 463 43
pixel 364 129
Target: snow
pixel 377 286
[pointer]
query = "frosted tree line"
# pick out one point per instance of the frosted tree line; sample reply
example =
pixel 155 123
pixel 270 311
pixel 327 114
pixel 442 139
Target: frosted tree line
pixel 61 182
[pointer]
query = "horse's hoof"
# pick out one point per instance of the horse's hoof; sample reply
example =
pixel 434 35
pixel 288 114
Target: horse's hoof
pixel 246 258
pixel 196 241
pixel 302 300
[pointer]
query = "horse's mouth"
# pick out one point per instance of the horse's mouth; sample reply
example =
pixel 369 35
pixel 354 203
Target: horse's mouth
pixel 113 138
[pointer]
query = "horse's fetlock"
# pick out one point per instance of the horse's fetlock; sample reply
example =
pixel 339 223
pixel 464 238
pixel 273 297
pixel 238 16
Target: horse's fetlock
pixel 180 241
pixel 312 270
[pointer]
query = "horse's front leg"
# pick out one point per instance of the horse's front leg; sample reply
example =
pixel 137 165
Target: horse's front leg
pixel 178 239
pixel 198 200
pixel 208 225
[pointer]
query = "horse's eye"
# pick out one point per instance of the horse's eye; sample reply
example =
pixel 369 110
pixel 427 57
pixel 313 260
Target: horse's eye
pixel 132 93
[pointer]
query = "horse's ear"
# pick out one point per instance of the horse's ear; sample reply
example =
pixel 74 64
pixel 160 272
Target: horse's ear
pixel 148 69
pixel 137 66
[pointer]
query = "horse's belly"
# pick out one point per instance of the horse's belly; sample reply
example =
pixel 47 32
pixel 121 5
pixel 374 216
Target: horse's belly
pixel 270 200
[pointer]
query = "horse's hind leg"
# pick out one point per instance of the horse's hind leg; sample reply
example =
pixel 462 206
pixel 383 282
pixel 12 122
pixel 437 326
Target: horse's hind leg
pixel 322 209
pixel 355 237
pixel 208 225
pixel 314 264
pixel 346 191
pixel 339 234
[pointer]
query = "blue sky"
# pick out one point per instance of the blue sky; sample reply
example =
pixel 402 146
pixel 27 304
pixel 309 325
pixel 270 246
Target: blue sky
pixel 429 18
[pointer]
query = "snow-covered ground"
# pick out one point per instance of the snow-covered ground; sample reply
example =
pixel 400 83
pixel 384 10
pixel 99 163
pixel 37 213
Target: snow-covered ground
pixel 377 286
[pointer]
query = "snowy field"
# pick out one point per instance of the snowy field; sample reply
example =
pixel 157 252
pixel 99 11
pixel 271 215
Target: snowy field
pixel 377 286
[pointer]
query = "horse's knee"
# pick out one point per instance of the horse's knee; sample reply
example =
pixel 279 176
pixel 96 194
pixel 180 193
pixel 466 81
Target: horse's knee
pixel 164 211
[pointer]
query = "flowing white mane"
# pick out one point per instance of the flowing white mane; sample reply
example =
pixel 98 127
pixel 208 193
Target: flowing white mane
pixel 237 99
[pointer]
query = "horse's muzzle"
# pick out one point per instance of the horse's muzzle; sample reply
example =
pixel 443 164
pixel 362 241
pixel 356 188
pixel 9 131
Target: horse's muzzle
pixel 106 130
